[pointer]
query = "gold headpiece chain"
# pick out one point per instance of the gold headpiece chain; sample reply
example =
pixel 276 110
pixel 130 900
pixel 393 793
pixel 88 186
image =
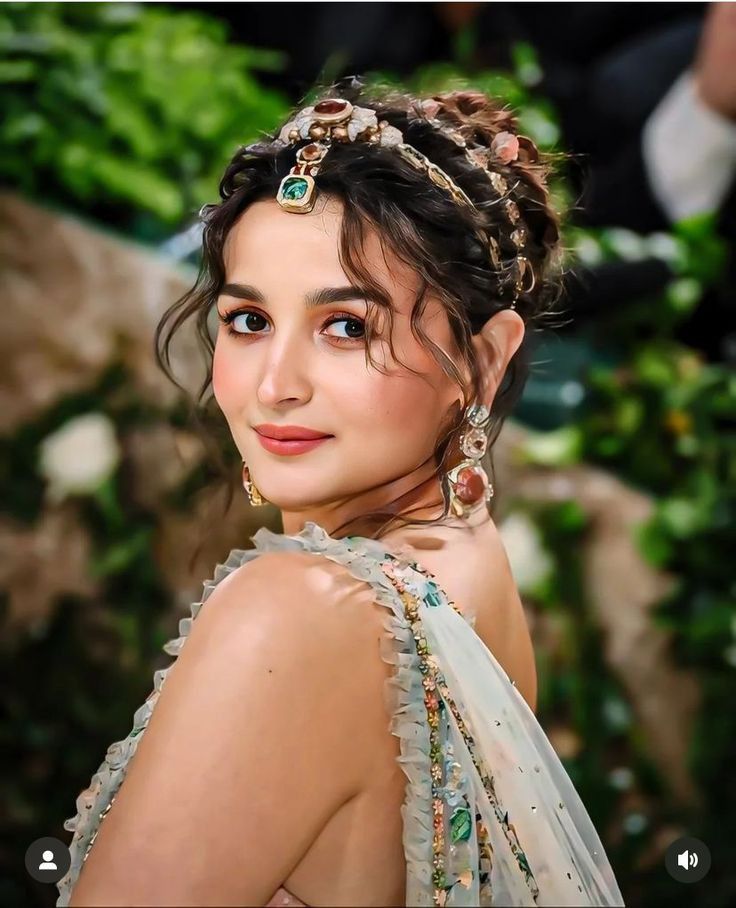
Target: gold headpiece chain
pixel 337 120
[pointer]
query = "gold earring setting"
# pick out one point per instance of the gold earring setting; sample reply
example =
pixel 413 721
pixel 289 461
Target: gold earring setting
pixel 254 496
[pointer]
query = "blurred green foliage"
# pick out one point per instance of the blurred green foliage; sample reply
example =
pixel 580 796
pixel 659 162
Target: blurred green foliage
pixel 124 112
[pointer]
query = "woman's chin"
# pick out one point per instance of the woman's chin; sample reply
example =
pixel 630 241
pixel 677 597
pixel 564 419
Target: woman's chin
pixel 295 500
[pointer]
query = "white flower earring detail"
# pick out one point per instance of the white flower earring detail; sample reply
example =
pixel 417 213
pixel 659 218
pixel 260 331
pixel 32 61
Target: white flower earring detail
pixel 468 481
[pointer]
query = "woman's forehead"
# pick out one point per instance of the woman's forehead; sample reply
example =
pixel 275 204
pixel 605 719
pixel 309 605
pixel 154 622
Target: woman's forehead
pixel 270 246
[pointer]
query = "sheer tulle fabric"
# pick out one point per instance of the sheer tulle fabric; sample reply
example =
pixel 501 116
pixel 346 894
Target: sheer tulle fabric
pixel 530 783
pixel 544 848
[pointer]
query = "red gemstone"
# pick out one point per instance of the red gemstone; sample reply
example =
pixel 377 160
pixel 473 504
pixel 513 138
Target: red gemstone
pixel 330 106
pixel 310 152
pixel 469 486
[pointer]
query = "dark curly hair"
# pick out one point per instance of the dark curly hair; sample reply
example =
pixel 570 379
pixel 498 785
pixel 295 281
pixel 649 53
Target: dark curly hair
pixel 420 223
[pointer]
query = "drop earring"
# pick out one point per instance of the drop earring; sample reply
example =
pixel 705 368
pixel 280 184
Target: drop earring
pixel 254 496
pixel 468 481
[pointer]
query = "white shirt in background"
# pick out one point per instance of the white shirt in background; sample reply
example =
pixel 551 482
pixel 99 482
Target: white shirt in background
pixel 689 152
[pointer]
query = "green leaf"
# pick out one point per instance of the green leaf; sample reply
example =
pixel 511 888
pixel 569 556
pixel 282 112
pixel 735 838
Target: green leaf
pixel 697 226
pixel 681 517
pixel 654 543
pixel 558 447
pixel 684 294
pixel 121 555
pixel 17 70
pixel 526 63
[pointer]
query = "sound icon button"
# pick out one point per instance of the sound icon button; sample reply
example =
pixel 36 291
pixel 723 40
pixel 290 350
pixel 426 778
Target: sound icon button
pixel 687 860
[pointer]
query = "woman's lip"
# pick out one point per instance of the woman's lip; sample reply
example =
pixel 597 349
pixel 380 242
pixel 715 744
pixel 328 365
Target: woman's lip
pixel 290 446
pixel 289 433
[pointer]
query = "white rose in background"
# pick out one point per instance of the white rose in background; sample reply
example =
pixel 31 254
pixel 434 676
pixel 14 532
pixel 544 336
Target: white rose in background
pixel 79 457
pixel 530 563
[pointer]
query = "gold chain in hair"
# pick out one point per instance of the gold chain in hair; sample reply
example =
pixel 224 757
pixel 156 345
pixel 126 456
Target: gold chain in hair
pixel 337 120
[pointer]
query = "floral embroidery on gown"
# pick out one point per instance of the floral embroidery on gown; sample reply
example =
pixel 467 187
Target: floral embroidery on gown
pixel 490 816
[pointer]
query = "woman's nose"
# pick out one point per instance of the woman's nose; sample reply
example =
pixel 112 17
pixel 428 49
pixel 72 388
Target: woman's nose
pixel 285 372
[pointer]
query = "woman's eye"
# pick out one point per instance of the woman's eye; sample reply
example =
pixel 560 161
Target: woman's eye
pixel 354 328
pixel 245 322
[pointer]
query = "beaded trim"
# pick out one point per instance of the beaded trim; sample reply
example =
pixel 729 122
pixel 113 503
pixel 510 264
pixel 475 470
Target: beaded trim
pixel 434 680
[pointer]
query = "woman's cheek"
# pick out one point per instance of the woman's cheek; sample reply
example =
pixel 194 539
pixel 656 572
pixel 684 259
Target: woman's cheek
pixel 410 403
pixel 394 412
pixel 224 377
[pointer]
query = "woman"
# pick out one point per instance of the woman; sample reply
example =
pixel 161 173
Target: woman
pixel 373 268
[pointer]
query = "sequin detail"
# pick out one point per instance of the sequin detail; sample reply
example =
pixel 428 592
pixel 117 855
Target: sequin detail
pixel 434 704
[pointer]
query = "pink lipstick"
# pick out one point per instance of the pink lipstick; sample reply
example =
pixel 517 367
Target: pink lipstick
pixel 289 439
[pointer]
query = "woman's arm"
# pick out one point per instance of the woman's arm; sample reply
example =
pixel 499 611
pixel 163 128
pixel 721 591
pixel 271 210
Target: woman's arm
pixel 254 744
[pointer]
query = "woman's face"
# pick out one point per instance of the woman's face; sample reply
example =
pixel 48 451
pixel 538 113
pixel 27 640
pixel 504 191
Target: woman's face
pixel 289 363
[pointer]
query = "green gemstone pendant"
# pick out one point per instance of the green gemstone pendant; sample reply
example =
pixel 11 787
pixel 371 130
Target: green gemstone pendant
pixel 294 189
pixel 296 193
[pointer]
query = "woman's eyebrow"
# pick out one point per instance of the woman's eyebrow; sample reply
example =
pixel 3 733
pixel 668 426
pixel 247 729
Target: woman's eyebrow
pixel 314 298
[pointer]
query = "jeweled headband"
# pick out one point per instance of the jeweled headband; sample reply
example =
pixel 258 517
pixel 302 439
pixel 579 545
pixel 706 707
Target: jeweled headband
pixel 337 120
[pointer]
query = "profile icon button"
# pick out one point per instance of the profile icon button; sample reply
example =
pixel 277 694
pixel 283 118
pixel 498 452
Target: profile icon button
pixel 47 859
pixel 687 860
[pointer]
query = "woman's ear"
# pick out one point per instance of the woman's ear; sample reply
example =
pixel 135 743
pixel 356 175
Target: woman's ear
pixel 495 344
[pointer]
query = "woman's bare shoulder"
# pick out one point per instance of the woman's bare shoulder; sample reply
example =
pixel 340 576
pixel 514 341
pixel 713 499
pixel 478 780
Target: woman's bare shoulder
pixel 303 596
pixel 264 722
pixel 261 719
pixel 294 580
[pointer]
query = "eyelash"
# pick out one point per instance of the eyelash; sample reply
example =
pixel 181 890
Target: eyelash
pixel 229 317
